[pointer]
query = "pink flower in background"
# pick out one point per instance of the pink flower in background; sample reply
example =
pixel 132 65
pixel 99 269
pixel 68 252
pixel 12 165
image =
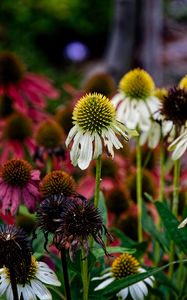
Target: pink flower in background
pixel 27 90
pixel 18 184
pixel 16 137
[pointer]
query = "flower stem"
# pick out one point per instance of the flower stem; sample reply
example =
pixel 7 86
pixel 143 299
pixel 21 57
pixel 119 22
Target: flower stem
pixel 13 284
pixel 65 274
pixel 161 195
pixel 174 209
pixel 85 280
pixel 97 181
pixel 139 189
pixel 49 165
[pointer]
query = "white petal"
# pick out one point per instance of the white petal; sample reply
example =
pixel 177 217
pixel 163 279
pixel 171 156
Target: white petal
pixel 103 276
pixel 121 110
pixel 154 135
pixel 113 138
pixel 149 281
pixel 143 287
pixel 108 143
pixel 176 141
pixel 86 151
pixel 104 284
pixel 9 293
pixel 179 150
pixel 75 150
pixel 46 275
pixel 131 117
pixel 183 223
pixel 154 104
pixel 3 286
pixel 28 293
pixel 40 290
pixel 136 292
pixel 144 137
pixel 166 127
pixel 97 146
pixel 71 134
pixel 116 99
pixel 123 293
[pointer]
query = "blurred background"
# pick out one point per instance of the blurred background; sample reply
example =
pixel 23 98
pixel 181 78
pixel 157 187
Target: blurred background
pixel 68 40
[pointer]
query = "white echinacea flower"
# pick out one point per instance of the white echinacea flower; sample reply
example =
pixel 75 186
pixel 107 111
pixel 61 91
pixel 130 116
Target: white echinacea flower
pixel 123 266
pixel 29 284
pixel 135 102
pixel 95 124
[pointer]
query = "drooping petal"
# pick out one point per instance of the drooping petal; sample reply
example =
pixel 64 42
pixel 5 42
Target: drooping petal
pixel 3 286
pixel 117 99
pixel 143 287
pixel 86 151
pixel 97 146
pixel 40 290
pixel 46 275
pixel 71 135
pixel 27 292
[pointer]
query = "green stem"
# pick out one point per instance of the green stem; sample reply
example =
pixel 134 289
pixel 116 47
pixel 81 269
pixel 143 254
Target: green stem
pixel 13 283
pixel 65 274
pixel 161 195
pixel 139 189
pixel 85 280
pixel 174 209
pixel 97 181
pixel 49 165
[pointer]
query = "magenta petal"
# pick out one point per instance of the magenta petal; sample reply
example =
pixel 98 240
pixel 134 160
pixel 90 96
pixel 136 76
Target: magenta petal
pixel 33 94
pixel 32 189
pixel 18 149
pixel 3 189
pixel 19 100
pixel 7 199
pixel 29 200
pixel 35 175
pixel 16 198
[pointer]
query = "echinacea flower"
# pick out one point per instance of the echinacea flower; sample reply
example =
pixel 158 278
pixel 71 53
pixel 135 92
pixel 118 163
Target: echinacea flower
pixel 30 284
pixel 95 123
pixel 101 83
pixel 15 135
pixel 18 183
pixel 123 266
pixel 135 103
pixel 57 183
pixel 79 221
pixel 26 90
pixel 49 140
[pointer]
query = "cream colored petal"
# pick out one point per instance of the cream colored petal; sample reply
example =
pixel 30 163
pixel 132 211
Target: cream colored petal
pixel 71 135
pixel 104 284
pixel 154 135
pixel 103 276
pixel 113 138
pixel 117 99
pixel 75 150
pixel 97 146
pixel 86 151
pixel 46 275
pixel 143 287
pixel 40 290
pixel 123 293
pixel 136 292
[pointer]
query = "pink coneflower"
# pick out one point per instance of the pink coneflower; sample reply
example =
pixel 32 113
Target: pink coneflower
pixel 27 90
pixel 18 183
pixel 16 137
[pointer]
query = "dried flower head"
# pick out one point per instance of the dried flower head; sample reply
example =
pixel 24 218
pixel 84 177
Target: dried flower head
pixel 174 106
pixel 78 222
pixel 57 183
pixel 15 247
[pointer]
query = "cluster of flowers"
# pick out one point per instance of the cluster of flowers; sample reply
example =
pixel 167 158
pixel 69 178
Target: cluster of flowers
pixel 29 136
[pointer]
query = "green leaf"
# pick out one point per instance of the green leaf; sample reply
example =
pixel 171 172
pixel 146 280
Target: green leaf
pixel 99 252
pixel 149 227
pixel 179 236
pixel 119 284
